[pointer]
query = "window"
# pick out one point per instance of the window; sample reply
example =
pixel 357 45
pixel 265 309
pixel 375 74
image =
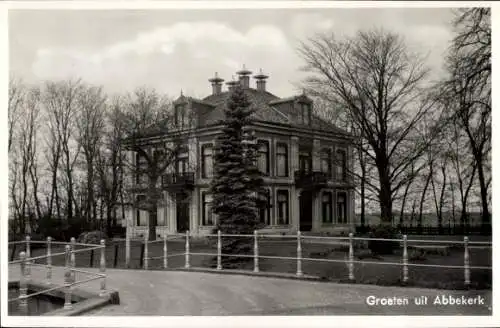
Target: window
pixel 341 207
pixel 305 113
pixel 207 161
pixel 326 161
pixel 326 207
pixel 182 161
pixel 281 160
pixel 265 208
pixel 283 212
pixel 341 164
pixel 141 170
pixel 305 160
pixel 141 215
pixel 207 214
pixel 263 157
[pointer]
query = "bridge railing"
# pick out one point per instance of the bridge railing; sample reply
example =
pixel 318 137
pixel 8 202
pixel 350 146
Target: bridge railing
pixel 298 239
pixel 26 262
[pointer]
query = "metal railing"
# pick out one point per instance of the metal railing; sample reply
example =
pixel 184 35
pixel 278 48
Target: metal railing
pixel 348 260
pixel 26 261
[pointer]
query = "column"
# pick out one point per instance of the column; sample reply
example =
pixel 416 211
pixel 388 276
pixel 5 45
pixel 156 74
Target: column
pixel 193 211
pixel 316 212
pixel 316 161
pixel 295 208
pixel 160 216
pixel 294 191
pixel 351 210
pixel 170 209
pixel 294 155
pixel 193 154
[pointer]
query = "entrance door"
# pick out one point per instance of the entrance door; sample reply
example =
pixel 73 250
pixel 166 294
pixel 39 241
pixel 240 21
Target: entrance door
pixel 182 214
pixel 305 201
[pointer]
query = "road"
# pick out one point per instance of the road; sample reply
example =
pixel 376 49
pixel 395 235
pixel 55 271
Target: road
pixel 195 293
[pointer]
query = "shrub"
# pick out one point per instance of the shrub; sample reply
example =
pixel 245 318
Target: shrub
pixel 383 247
pixel 92 237
pixel 360 244
pixel 417 255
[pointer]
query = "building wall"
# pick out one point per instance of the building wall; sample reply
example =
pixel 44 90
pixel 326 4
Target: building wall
pixel 167 210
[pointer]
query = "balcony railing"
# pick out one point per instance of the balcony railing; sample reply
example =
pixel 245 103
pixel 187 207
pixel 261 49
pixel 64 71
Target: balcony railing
pixel 178 180
pixel 311 179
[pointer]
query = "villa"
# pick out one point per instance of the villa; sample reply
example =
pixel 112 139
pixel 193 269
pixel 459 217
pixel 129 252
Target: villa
pixel 305 160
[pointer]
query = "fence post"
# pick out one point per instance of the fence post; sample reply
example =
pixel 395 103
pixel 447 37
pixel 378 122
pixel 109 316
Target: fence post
pixel 351 257
pixel 102 268
pixel 255 252
pixel 405 258
pixel 73 260
pixel 127 249
pixel 219 251
pixel 28 256
pixel 67 278
pixel 49 259
pixel 23 286
pixel 186 265
pixel 165 259
pixel 299 255
pixel 146 262
pixel 466 262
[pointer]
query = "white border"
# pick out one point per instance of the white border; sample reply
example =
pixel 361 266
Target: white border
pixel 295 321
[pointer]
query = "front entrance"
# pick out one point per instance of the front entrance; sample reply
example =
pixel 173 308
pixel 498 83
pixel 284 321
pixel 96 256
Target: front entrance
pixel 305 201
pixel 182 213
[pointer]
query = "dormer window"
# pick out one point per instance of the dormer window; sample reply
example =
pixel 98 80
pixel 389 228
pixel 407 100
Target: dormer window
pixel 305 113
pixel 180 115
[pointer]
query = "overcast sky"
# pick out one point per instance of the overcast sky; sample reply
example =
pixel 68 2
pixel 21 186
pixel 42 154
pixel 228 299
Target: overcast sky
pixel 172 50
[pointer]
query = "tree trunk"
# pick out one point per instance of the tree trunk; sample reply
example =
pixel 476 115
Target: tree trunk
pixel 422 199
pixel 385 194
pixel 485 216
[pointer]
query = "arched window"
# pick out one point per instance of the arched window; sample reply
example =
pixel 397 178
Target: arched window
pixel 282 160
pixel 282 200
pixel 326 161
pixel 207 214
pixel 207 161
pixel 263 158
pixel 341 207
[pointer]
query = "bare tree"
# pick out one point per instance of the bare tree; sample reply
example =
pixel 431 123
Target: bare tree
pixel 110 162
pixel 60 101
pixel 23 160
pixel 16 94
pixel 467 91
pixel 90 131
pixel 152 134
pixel 380 85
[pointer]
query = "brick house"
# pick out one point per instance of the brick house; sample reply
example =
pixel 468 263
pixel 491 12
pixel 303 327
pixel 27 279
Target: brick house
pixel 305 161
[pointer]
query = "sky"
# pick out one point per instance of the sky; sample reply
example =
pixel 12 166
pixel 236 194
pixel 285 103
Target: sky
pixel 180 49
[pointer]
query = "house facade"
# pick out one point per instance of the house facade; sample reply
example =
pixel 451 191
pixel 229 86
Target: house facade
pixel 306 163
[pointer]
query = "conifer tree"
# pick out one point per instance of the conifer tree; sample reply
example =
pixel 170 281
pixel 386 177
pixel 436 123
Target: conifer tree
pixel 237 183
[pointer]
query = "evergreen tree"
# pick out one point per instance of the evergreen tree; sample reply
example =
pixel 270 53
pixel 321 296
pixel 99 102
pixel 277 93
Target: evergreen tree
pixel 237 183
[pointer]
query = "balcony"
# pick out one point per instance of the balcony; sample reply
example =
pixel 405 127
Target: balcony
pixel 178 181
pixel 311 179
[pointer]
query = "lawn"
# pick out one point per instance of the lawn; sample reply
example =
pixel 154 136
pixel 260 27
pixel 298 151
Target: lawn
pixel 366 273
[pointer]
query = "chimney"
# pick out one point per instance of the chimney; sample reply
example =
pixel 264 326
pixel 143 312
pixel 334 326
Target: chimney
pixel 216 84
pixel 231 84
pixel 261 81
pixel 244 77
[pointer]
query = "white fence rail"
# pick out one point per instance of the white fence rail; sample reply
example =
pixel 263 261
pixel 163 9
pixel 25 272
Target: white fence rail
pixel 349 260
pixel 26 261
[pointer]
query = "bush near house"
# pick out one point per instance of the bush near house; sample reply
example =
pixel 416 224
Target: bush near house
pixel 382 247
